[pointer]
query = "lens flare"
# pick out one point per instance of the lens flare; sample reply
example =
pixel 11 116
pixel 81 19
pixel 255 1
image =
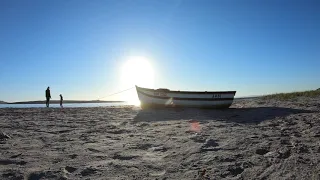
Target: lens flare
pixel 195 126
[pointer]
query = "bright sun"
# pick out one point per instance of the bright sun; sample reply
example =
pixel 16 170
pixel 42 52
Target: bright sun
pixel 138 71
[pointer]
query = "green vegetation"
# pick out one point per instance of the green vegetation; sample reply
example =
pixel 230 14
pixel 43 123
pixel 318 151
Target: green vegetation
pixel 292 95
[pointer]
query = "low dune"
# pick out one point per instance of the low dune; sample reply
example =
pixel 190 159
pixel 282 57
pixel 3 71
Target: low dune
pixel 260 138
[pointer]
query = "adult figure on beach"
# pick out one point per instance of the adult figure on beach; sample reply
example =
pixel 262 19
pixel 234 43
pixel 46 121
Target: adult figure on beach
pixel 48 96
pixel 61 99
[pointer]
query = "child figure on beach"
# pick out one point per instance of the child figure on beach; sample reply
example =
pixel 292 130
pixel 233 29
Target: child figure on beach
pixel 61 99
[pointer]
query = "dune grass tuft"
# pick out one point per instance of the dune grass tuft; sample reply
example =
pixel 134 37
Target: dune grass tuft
pixel 292 95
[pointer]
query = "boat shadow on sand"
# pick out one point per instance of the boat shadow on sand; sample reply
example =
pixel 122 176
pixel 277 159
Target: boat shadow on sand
pixel 238 115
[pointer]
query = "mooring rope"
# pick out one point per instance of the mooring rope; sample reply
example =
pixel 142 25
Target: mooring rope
pixel 116 93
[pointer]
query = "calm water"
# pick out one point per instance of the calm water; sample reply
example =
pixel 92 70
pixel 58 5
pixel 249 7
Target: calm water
pixel 65 105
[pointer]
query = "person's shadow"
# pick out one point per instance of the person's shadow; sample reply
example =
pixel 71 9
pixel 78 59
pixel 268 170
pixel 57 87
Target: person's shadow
pixel 238 115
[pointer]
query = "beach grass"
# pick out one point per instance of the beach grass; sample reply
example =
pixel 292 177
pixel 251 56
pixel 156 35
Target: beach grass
pixel 292 95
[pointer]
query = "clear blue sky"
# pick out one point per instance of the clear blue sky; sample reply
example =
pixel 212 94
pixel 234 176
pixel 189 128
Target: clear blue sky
pixel 77 46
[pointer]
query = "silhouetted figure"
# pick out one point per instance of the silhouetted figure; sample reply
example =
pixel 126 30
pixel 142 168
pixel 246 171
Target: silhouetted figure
pixel 48 96
pixel 61 99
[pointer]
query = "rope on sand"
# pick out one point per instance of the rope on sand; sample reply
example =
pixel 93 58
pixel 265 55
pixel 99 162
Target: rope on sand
pixel 116 93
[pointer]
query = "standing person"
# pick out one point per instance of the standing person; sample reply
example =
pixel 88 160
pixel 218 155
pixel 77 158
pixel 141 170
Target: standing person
pixel 48 96
pixel 61 99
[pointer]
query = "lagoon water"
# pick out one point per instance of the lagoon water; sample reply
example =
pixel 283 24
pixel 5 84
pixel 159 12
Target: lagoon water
pixel 71 105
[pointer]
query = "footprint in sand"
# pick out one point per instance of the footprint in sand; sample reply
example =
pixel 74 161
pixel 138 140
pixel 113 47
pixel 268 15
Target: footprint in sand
pixel 94 150
pixel 284 153
pixel 210 145
pixel 143 146
pixel 12 174
pixel 70 169
pixel 123 157
pixel 120 131
pixel 73 156
pixel 152 156
pixel 46 175
pixel 159 173
pixel 159 148
pixel 235 170
pixel 16 155
pixel 88 171
pixel 262 151
pixel 7 162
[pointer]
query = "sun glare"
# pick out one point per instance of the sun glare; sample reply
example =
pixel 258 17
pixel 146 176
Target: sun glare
pixel 138 71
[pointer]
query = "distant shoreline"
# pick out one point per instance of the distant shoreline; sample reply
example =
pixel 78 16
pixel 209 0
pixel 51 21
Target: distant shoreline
pixel 93 101
pixel 279 96
pixel 64 102
pixel 82 101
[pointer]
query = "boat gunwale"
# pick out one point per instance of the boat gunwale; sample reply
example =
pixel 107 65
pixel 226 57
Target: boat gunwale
pixel 188 92
pixel 187 99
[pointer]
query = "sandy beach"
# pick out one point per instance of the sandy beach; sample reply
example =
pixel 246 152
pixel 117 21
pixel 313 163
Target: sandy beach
pixel 254 139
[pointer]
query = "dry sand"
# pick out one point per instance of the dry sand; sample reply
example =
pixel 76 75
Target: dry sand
pixel 255 139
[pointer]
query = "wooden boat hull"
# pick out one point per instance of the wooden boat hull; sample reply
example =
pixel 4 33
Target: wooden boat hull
pixel 158 98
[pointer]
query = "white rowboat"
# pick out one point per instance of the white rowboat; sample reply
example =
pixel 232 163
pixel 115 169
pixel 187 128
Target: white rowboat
pixel 166 98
